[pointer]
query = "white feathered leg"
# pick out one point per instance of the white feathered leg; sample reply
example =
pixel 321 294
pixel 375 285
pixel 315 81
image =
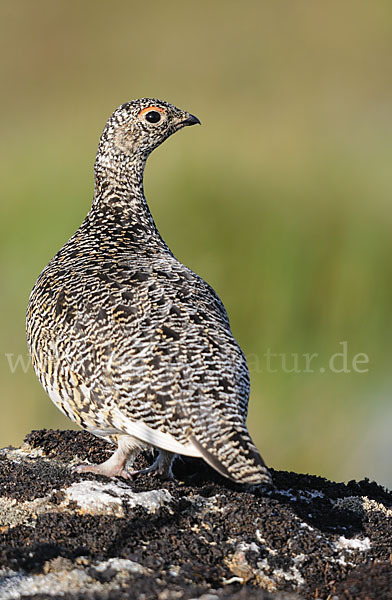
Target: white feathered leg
pixel 115 465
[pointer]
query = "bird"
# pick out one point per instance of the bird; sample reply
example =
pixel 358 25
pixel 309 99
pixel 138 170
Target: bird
pixel 128 342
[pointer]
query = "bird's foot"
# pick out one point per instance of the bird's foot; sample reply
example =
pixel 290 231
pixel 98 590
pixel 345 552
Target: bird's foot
pixel 103 469
pixel 162 464
pixel 115 466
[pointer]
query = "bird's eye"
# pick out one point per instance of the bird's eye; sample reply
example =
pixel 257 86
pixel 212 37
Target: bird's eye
pixel 153 116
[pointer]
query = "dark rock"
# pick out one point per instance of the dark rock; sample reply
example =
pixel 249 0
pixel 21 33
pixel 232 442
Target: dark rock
pixel 200 536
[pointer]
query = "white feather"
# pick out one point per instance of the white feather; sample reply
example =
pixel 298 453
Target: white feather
pixel 154 437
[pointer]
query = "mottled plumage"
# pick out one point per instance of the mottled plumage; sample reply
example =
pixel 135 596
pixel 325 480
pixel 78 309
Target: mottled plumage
pixel 128 342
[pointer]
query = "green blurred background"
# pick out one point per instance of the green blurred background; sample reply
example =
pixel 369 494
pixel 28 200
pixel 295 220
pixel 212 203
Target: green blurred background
pixel 281 201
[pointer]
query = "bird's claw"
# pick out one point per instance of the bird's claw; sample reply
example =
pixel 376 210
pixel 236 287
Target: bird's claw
pixel 101 470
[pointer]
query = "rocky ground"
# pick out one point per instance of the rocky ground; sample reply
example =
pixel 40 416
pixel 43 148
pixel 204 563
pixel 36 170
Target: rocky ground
pixel 198 537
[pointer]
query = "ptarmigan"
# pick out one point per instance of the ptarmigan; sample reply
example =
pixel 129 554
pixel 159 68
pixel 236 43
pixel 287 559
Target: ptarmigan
pixel 128 342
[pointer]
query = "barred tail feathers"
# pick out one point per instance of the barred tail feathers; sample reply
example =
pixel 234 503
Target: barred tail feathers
pixel 235 457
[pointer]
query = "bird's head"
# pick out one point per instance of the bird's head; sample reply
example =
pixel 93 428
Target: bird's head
pixel 139 126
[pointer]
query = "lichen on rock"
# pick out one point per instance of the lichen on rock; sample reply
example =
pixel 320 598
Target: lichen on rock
pixel 199 536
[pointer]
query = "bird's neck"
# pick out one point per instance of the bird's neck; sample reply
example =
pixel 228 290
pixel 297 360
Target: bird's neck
pixel 119 191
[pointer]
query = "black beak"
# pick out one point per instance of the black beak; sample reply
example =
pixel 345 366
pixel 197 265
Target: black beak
pixel 191 120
